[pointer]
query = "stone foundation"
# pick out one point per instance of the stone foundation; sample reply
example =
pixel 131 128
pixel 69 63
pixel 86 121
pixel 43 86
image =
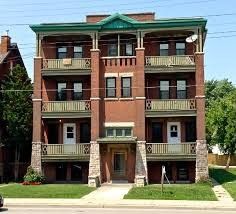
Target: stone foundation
pixel 202 173
pixel 94 178
pixel 141 164
pixel 36 161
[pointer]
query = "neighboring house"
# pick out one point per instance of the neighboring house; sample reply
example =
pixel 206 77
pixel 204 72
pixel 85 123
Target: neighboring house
pixel 9 57
pixel 117 97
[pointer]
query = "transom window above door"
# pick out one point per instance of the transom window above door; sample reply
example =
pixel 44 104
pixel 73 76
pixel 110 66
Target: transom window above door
pixel 119 132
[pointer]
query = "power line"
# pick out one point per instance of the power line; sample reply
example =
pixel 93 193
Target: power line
pixel 128 9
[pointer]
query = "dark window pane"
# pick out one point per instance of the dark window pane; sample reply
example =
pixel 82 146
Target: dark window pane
pixel 110 132
pixel 164 95
pixel 180 48
pixel 70 135
pixel 70 129
pixel 61 91
pixel 85 133
pixel 78 52
pixel 111 87
pixel 112 50
pixel 78 91
pixel 119 132
pixel 128 132
pixel 61 52
pixel 128 49
pixel 126 87
pixel 190 130
pixel 61 171
pixel 164 49
pixel 181 89
pixel 182 171
pixel 157 136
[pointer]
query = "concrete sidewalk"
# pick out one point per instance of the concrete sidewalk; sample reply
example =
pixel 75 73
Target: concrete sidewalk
pixel 125 203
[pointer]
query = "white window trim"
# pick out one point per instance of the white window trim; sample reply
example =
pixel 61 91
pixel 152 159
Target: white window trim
pixel 119 124
pixel 128 74
pixel 111 75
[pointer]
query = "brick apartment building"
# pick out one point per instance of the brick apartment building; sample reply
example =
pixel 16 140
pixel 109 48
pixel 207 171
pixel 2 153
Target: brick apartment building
pixel 9 57
pixel 117 97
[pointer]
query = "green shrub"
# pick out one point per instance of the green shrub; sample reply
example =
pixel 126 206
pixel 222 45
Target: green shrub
pixel 33 176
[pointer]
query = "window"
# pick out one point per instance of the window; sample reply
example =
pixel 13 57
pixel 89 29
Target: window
pixel 119 132
pixel 157 136
pixel 70 131
pixel 126 87
pixel 180 48
pixel 164 49
pixel 190 131
pixel 61 52
pixel 128 49
pixel 182 171
pixel 110 87
pixel 174 131
pixel 61 91
pixel 164 90
pixel 78 91
pixel 78 52
pixel 112 50
pixel 181 89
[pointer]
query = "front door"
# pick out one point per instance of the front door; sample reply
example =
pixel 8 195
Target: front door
pixel 119 165
pixel 69 138
pixel 173 130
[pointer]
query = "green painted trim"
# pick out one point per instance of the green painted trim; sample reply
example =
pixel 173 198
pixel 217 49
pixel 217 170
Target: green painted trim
pixel 112 22
pixel 182 113
pixel 60 158
pixel 59 72
pixel 117 140
pixel 171 157
pixel 66 114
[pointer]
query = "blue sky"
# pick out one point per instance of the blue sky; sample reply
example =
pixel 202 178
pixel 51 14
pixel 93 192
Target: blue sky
pixel 220 52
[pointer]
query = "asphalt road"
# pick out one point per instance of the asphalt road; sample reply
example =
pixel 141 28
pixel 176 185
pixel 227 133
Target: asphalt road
pixel 63 210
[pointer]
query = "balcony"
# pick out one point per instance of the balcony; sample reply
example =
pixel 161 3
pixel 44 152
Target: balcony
pixel 57 152
pixel 70 66
pixel 172 107
pixel 66 109
pixel 166 151
pixel 169 64
pixel 119 61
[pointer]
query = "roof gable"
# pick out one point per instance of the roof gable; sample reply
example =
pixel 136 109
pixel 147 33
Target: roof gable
pixel 117 21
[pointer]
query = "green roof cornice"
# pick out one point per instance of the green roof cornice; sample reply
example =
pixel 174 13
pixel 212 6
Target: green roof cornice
pixel 118 22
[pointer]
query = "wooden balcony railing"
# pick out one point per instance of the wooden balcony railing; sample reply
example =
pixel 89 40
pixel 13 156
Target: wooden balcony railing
pixel 122 61
pixel 65 149
pixel 170 105
pixel 67 64
pixel 66 106
pixel 166 148
pixel 168 61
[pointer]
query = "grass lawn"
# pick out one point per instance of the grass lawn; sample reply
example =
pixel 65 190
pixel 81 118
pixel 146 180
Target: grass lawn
pixel 46 191
pixel 227 178
pixel 173 192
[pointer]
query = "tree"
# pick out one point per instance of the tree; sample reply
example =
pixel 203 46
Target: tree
pixel 221 123
pixel 17 112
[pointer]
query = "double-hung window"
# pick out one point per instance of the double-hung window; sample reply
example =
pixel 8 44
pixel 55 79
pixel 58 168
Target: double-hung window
pixel 78 52
pixel 164 89
pixel 110 87
pixel 164 49
pixel 126 90
pixel 61 91
pixel 112 50
pixel 128 49
pixel 181 89
pixel 180 48
pixel 61 52
pixel 78 91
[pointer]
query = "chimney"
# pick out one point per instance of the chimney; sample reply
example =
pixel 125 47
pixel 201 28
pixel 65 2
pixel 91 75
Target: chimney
pixel 5 44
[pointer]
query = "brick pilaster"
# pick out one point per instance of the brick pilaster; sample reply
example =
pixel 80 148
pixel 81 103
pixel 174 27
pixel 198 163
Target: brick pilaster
pixel 139 84
pixel 201 147
pixel 37 123
pixel 94 178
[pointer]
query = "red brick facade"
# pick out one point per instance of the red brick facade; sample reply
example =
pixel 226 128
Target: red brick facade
pixel 141 62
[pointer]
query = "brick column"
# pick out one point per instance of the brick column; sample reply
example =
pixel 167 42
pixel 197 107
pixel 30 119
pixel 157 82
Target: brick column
pixel 94 178
pixel 37 123
pixel 201 146
pixel 139 84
